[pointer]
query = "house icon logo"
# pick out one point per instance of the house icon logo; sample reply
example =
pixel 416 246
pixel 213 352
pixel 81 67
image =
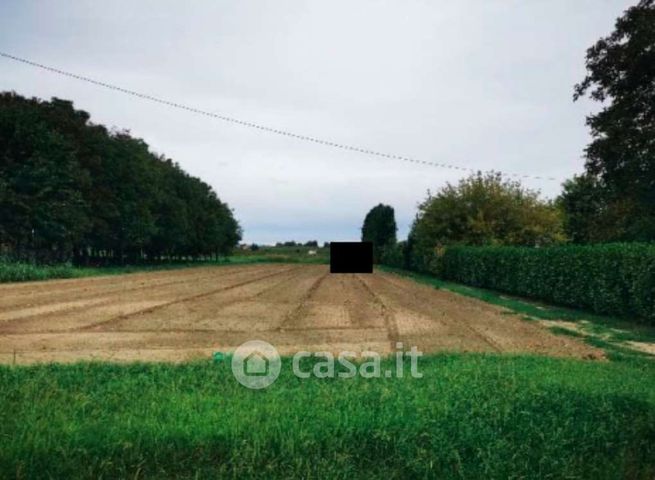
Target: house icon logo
pixel 256 364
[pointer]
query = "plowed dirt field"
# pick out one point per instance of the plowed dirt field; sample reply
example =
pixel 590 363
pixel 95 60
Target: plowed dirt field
pixel 186 314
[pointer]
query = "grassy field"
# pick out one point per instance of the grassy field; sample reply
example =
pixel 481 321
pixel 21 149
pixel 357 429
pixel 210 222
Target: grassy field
pixel 298 254
pixel 23 272
pixel 470 416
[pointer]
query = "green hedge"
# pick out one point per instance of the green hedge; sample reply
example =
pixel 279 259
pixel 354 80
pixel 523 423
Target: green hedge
pixel 616 279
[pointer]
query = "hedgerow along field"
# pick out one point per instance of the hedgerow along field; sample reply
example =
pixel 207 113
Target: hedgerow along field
pixel 615 279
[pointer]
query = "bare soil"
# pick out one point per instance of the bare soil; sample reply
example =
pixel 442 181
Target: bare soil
pixel 187 314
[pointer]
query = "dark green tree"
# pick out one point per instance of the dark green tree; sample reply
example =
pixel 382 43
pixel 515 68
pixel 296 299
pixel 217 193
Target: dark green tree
pixel 42 209
pixel 590 215
pixel 72 189
pixel 380 228
pixel 582 202
pixel 621 156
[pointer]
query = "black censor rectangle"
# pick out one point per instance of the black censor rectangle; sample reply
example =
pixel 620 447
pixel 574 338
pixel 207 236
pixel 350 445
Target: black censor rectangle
pixel 351 257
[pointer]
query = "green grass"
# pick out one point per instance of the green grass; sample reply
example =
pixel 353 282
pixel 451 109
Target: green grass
pixel 20 272
pixel 273 257
pixel 24 272
pixel 470 416
pixel 603 331
pixel 284 254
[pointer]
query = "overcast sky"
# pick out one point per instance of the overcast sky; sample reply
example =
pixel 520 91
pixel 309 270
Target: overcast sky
pixel 484 84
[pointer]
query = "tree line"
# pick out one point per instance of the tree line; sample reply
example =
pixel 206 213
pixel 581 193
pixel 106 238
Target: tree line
pixel 293 243
pixel 74 190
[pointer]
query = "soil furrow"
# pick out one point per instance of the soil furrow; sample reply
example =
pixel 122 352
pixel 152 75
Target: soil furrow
pixel 46 297
pixel 387 313
pixel 191 298
pixel 300 310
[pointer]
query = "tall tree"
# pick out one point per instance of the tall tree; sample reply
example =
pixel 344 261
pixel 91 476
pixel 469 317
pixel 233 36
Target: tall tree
pixel 69 188
pixel 42 210
pixel 621 156
pixel 582 200
pixel 380 228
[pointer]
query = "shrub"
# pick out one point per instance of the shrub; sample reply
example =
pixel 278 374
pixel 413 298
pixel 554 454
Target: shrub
pixel 486 209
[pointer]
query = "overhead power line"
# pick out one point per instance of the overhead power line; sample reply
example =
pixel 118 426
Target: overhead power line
pixel 256 126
